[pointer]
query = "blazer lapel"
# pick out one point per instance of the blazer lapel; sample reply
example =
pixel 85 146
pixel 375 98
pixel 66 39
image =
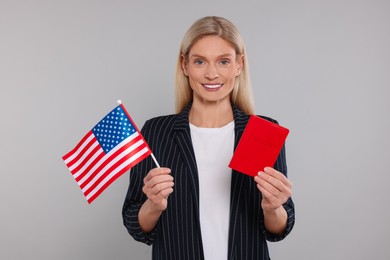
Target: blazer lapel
pixel 240 122
pixel 184 142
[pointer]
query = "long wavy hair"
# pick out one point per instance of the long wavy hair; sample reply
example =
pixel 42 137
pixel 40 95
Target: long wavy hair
pixel 241 95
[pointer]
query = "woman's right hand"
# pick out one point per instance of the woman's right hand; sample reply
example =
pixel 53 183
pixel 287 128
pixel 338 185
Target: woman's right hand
pixel 158 184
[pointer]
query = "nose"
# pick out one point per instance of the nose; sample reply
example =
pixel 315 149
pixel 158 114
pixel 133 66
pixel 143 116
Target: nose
pixel 211 72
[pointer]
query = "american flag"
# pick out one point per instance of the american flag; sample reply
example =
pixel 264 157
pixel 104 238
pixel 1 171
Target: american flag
pixel 107 151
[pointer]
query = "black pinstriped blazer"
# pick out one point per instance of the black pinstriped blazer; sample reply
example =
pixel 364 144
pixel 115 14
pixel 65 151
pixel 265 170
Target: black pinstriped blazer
pixel 177 235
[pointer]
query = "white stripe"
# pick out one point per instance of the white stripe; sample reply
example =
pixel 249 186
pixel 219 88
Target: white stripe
pixel 102 160
pixel 80 171
pixel 112 162
pixel 80 149
pixel 118 169
pixel 85 155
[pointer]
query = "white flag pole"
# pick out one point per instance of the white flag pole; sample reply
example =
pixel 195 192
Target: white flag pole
pixel 155 161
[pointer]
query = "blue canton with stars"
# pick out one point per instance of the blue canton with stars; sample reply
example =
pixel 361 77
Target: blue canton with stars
pixel 113 129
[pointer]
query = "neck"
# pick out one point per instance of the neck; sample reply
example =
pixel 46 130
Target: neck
pixel 211 115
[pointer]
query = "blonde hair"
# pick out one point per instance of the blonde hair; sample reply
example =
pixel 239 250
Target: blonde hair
pixel 214 26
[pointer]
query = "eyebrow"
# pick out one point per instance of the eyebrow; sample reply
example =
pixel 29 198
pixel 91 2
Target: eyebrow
pixel 219 56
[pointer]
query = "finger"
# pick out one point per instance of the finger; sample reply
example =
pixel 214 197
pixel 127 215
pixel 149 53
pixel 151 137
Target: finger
pixel 278 175
pixel 271 179
pixel 161 186
pixel 157 184
pixel 158 180
pixel 269 199
pixel 156 172
pixel 265 193
pixel 166 192
pixel 273 186
pixel 277 179
pixel 157 194
pixel 278 190
pixel 270 189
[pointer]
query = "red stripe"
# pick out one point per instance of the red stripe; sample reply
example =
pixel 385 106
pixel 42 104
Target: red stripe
pixel 113 167
pixel 97 159
pixel 108 160
pixel 66 156
pixel 86 159
pixel 116 176
pixel 81 154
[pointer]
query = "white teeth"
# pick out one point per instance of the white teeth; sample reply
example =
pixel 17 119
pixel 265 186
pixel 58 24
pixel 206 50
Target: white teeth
pixel 213 86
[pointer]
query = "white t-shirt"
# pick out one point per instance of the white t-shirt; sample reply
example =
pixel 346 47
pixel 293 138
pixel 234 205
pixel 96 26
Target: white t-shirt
pixel 213 151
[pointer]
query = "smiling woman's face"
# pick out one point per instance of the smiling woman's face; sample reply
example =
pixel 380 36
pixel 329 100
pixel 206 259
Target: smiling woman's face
pixel 212 67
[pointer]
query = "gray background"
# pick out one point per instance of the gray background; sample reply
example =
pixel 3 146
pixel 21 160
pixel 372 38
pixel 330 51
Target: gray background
pixel 320 67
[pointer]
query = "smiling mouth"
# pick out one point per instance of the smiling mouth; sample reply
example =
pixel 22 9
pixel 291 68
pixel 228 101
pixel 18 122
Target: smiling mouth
pixel 212 86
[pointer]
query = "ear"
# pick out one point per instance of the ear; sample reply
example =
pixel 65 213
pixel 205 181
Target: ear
pixel 184 64
pixel 240 64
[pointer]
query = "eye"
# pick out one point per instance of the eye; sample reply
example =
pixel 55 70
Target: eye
pixel 198 62
pixel 224 62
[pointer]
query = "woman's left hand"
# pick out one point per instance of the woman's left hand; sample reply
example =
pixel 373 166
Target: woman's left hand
pixel 274 187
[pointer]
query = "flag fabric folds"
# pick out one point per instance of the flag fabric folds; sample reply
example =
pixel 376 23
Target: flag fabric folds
pixel 107 151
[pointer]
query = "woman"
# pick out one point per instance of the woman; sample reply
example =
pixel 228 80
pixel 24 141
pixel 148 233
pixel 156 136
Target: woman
pixel 196 207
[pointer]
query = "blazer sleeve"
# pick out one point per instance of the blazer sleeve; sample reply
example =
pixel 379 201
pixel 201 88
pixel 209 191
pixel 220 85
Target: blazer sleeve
pixel 281 165
pixel 135 197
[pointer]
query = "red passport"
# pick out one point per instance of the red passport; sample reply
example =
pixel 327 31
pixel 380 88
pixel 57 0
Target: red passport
pixel 259 146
